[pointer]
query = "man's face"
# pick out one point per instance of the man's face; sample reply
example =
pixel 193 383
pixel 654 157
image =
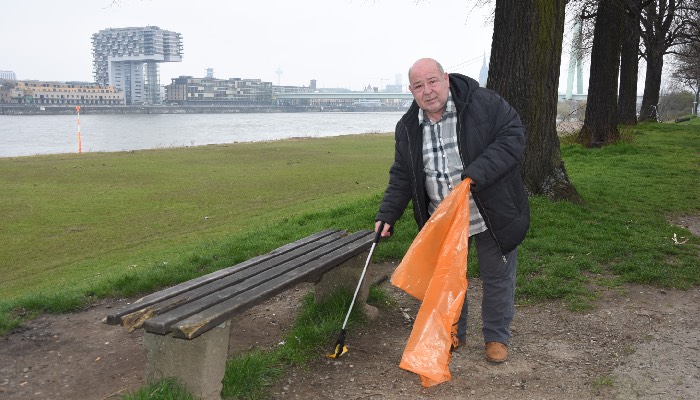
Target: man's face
pixel 429 87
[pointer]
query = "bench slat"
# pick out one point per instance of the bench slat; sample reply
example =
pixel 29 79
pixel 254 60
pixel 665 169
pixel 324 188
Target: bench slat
pixel 116 317
pixel 210 317
pixel 211 290
pixel 162 324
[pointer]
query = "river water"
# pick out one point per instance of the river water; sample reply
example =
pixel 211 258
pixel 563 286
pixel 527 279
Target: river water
pixel 55 134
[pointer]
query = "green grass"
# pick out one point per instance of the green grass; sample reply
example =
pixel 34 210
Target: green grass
pixel 72 219
pixel 80 227
pixel 603 381
pixel 632 189
pixel 165 389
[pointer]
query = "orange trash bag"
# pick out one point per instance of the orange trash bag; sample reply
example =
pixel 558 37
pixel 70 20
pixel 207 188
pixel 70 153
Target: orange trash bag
pixel 434 270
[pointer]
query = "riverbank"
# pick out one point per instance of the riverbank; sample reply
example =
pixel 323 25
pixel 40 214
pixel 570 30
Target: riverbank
pixel 35 109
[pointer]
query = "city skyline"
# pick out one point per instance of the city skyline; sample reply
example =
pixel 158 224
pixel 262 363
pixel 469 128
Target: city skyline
pixel 341 43
pixel 350 44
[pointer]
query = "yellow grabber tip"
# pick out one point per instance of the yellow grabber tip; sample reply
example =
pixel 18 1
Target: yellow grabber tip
pixel 337 354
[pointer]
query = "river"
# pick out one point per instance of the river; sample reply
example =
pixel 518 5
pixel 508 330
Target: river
pixel 55 134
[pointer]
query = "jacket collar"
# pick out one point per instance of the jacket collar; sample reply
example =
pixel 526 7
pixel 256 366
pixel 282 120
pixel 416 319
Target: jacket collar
pixel 461 88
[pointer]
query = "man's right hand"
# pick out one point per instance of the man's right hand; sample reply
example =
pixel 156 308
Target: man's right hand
pixel 386 232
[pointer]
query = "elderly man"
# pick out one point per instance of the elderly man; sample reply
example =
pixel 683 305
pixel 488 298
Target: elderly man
pixel 453 130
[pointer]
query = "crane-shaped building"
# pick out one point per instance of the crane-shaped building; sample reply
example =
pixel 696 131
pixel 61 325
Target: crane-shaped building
pixel 128 58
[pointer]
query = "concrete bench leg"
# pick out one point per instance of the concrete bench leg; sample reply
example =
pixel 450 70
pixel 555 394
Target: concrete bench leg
pixel 346 276
pixel 198 364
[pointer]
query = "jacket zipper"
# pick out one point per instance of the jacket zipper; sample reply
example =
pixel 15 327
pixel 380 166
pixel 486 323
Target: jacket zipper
pixel 463 155
pixel 415 178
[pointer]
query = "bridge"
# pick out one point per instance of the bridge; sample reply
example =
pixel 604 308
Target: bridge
pixel 577 97
pixel 344 96
pixel 378 96
pixel 584 97
pixel 344 99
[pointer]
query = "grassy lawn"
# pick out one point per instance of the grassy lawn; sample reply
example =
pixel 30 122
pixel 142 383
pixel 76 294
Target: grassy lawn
pixel 632 191
pixel 73 219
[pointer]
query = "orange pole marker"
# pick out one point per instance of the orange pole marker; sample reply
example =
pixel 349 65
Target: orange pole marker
pixel 80 142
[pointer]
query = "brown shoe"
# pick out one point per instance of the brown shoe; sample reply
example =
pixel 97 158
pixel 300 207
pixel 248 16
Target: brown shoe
pixel 457 342
pixel 496 352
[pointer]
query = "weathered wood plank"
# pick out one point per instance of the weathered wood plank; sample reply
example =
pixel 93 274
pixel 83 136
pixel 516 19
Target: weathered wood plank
pixel 163 323
pixel 116 317
pixel 209 317
pixel 213 290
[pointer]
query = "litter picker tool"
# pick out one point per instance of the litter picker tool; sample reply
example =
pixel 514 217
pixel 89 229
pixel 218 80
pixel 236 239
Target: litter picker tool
pixel 340 347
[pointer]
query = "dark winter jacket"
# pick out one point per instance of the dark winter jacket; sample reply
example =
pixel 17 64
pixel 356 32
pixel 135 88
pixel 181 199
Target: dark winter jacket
pixel 491 141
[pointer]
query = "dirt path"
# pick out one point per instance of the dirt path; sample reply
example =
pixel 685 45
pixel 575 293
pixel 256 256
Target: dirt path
pixel 637 343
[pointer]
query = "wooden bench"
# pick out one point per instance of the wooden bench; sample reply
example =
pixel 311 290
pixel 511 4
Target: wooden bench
pixel 187 326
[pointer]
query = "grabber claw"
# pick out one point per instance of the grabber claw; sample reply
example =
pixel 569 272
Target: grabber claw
pixel 340 347
pixel 339 351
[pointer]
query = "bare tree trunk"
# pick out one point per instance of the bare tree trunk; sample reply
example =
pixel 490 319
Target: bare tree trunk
pixel 524 69
pixel 652 85
pixel 629 65
pixel 600 125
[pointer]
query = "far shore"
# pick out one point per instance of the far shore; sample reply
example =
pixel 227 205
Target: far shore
pixel 64 109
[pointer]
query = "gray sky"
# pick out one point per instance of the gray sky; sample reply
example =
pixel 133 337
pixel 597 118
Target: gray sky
pixel 340 43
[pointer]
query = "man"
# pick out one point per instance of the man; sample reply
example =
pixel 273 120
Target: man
pixel 453 130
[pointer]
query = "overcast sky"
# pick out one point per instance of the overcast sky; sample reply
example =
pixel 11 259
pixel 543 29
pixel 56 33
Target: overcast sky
pixel 339 43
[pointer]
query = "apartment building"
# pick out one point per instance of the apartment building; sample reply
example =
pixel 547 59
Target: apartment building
pixel 66 93
pixel 127 58
pixel 187 90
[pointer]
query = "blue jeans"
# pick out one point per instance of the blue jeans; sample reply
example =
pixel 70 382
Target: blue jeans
pixel 498 278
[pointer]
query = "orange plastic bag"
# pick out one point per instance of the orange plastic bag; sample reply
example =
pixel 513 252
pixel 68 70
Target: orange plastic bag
pixel 434 270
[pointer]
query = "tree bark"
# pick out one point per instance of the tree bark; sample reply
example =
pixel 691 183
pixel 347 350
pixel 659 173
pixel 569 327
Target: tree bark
pixel 524 69
pixel 600 124
pixel 657 22
pixel 652 84
pixel 629 65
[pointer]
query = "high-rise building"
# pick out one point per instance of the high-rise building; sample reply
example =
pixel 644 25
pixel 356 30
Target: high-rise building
pixel 128 58
pixel 9 75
